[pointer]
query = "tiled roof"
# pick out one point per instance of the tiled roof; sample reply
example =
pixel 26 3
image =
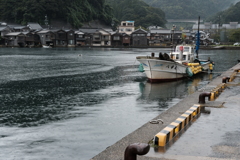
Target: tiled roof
pixel 34 26
pixel 16 33
pixel 89 30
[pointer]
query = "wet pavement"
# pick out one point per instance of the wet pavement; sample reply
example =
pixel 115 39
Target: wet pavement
pixel 214 134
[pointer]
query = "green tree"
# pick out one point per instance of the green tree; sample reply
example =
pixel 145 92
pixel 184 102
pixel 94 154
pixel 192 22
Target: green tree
pixel 138 11
pixel 76 12
pixel 234 35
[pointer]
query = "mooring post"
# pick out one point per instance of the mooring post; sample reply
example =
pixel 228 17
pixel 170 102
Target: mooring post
pixel 135 149
pixel 225 79
pixel 202 97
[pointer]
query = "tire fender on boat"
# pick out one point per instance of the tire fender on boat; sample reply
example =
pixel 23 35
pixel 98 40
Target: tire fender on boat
pixel 189 72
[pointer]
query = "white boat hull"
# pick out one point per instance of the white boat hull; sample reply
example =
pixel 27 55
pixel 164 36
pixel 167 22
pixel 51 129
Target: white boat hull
pixel 162 70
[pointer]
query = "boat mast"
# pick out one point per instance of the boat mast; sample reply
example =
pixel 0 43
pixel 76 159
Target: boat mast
pixel 198 38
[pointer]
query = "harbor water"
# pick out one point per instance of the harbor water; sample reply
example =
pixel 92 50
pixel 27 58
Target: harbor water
pixel 72 103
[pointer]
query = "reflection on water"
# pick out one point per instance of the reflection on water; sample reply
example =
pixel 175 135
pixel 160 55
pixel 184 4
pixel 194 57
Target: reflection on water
pixel 162 93
pixel 169 93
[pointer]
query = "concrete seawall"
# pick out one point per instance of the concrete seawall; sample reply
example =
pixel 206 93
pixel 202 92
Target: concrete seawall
pixel 146 133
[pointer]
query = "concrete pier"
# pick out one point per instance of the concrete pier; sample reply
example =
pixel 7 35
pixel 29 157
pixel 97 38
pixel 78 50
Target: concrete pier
pixel 225 111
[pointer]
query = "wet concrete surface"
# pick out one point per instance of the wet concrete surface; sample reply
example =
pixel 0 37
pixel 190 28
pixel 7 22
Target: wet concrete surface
pixel 215 134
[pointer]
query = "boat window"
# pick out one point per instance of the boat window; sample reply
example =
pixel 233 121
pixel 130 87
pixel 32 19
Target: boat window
pixel 189 57
pixel 177 56
pixel 184 57
pixel 177 50
pixel 186 49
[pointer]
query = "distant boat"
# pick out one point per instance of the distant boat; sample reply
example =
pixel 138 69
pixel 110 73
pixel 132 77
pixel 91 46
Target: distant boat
pixel 219 47
pixel 45 46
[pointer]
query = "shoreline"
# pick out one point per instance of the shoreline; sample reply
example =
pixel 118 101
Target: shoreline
pixel 201 47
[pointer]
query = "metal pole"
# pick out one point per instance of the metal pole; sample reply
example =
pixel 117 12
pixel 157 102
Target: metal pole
pixel 198 38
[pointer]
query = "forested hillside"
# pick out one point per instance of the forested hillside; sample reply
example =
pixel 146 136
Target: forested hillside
pixel 138 11
pixel 231 14
pixel 75 12
pixel 188 9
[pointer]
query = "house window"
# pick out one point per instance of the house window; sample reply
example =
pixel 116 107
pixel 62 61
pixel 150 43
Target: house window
pixel 126 38
pixel 130 24
pixel 116 38
pixel 80 36
pixel 122 30
pixel 128 30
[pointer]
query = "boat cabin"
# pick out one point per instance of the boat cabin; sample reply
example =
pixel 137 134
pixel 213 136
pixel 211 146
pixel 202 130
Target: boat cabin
pixel 183 53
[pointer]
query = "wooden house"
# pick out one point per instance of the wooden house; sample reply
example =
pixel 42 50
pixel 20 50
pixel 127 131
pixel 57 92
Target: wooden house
pixel 139 38
pixel 126 39
pixel 105 37
pixel 61 38
pixel 116 39
pixel 32 39
pixel 47 37
pixel 88 36
pixel 80 38
pixel 15 39
pixel 70 37
pixel 3 31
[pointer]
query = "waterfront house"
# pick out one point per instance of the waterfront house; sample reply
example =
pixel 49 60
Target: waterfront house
pixel 70 37
pixel 126 27
pixel 88 35
pixel 60 38
pixel 15 39
pixel 96 37
pixel 3 31
pixel 156 37
pixel 116 39
pixel 47 37
pixel 139 37
pixel 32 39
pixel 126 39
pixel 80 38
pixel 164 37
pixel 105 38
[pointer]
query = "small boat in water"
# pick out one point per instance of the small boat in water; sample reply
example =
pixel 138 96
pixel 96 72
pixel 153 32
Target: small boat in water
pixel 176 65
pixel 45 46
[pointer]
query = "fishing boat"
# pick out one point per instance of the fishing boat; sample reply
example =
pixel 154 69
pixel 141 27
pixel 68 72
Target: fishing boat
pixel 178 64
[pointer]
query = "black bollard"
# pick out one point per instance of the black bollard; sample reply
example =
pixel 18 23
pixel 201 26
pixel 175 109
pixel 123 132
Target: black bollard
pixel 225 79
pixel 202 97
pixel 135 149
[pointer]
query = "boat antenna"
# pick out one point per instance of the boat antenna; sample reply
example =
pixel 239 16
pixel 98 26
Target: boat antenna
pixel 198 38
